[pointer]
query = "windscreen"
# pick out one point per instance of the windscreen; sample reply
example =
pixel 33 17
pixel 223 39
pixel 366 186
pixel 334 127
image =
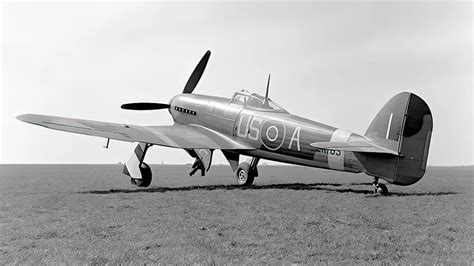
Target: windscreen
pixel 255 101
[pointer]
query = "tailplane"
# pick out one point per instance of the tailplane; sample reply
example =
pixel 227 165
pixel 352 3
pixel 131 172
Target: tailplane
pixel 404 125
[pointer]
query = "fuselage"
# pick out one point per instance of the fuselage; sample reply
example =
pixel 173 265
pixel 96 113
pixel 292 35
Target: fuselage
pixel 276 134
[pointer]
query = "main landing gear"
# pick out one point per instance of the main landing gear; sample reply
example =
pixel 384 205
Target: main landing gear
pixel 145 181
pixel 246 172
pixel 197 165
pixel 139 171
pixel 379 188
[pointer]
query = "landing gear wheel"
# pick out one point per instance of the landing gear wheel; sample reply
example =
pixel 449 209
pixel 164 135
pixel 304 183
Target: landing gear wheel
pixel 382 189
pixel 244 175
pixel 145 171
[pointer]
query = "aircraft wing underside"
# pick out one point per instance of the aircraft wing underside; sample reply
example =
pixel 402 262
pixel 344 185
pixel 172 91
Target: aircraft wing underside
pixel 176 136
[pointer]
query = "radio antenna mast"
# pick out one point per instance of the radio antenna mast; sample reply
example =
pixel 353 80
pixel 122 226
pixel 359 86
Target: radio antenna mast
pixel 268 86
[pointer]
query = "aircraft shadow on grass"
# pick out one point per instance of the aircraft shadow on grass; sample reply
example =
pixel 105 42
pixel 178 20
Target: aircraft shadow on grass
pixel 330 187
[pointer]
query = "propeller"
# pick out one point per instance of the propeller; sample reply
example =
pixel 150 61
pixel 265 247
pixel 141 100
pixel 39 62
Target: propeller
pixel 189 88
pixel 197 73
pixel 144 106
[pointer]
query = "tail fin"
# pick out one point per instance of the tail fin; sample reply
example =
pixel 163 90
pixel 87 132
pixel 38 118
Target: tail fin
pixel 404 124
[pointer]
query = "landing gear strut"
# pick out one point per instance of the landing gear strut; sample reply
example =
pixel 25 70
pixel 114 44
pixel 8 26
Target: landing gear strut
pixel 203 160
pixel 198 166
pixel 379 188
pixel 246 173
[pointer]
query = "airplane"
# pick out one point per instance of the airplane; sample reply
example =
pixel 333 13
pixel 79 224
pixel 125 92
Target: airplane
pixel 394 147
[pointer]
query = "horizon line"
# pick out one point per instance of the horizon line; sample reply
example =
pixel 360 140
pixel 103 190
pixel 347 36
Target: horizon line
pixel 185 164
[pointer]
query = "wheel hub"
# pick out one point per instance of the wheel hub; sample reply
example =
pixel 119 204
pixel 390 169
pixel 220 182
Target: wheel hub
pixel 242 176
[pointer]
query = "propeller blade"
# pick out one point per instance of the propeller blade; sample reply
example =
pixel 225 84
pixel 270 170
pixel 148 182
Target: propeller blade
pixel 197 73
pixel 145 106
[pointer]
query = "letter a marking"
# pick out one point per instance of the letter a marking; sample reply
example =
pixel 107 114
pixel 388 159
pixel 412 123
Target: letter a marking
pixel 296 137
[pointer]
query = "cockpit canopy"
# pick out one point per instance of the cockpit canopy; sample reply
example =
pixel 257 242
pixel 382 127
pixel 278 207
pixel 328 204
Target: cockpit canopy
pixel 255 101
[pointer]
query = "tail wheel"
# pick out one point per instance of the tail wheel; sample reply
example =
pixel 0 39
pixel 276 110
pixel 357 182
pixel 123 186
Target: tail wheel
pixel 145 181
pixel 244 175
pixel 382 189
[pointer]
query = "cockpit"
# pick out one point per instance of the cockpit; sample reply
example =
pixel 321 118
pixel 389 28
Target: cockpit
pixel 255 101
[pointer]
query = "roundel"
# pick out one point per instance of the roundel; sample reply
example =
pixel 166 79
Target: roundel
pixel 272 134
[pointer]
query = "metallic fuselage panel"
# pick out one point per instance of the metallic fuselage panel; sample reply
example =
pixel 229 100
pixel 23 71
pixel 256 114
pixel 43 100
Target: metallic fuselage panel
pixel 281 136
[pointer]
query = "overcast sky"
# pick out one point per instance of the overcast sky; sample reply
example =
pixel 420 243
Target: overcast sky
pixel 336 63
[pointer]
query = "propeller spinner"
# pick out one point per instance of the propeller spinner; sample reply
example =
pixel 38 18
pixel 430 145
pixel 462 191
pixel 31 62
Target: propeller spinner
pixel 188 88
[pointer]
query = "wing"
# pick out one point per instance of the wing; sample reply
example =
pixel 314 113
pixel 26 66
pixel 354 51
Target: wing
pixel 176 136
pixel 355 146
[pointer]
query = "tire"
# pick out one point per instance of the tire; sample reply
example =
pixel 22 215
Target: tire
pixel 145 170
pixel 243 175
pixel 382 189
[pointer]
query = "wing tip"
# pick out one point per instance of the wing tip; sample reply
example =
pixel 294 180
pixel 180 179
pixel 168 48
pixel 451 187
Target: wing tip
pixel 24 117
pixel 31 118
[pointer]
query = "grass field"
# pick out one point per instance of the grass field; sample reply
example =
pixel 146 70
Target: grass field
pixel 91 214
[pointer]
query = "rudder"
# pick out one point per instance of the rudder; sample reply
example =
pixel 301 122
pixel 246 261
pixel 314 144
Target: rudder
pixel 415 142
pixel 404 124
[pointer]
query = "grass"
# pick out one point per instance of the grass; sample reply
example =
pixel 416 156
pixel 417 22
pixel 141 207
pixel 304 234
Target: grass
pixel 91 214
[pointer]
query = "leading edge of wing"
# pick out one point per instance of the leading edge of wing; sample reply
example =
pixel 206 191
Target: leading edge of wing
pixel 176 136
pixel 78 126
pixel 354 146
